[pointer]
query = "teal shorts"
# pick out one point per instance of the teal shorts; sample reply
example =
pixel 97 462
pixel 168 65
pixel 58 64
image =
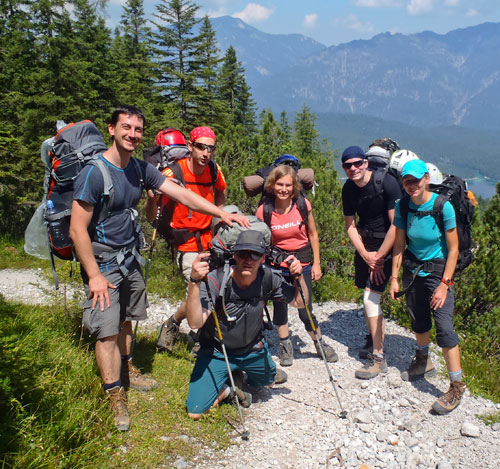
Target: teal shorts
pixel 210 374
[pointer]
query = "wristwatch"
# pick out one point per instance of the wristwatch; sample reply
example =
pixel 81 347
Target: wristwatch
pixel 194 280
pixel 447 281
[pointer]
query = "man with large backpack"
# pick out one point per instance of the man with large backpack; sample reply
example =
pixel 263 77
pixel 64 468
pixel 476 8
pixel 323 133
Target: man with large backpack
pixel 229 316
pixel 371 196
pixel 189 231
pixel 108 251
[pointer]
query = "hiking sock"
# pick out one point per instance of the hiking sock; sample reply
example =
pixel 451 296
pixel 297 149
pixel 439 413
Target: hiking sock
pixel 126 358
pixel 285 339
pixel 379 355
pixel 108 386
pixel 455 375
pixel 423 349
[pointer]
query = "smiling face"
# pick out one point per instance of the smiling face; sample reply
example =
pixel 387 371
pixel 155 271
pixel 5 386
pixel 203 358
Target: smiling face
pixel 127 132
pixel 355 168
pixel 283 188
pixel 415 187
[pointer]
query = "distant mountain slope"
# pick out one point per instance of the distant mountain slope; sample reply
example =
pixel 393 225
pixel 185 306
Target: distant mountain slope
pixel 462 151
pixel 263 55
pixel 423 79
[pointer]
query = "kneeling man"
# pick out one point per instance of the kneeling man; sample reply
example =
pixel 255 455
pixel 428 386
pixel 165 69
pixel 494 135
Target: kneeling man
pixel 239 304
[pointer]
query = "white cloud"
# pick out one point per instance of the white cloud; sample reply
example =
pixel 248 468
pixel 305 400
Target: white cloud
pixel 213 13
pixel 254 13
pixel 420 7
pixel 353 23
pixel 472 12
pixel 310 20
pixel 452 3
pixel 377 3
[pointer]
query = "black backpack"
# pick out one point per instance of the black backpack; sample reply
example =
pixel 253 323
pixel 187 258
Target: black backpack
pixel 454 190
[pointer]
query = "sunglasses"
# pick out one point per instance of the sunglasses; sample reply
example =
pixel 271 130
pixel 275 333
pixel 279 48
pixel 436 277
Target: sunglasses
pixel 255 256
pixel 356 164
pixel 204 146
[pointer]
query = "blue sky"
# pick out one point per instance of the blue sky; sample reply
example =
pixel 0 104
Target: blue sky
pixel 333 22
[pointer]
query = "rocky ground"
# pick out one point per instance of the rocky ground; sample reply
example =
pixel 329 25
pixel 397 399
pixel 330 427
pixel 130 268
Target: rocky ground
pixel 297 424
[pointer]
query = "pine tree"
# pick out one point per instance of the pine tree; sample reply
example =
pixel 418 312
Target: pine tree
pixel 235 93
pixel 133 71
pixel 208 109
pixel 175 45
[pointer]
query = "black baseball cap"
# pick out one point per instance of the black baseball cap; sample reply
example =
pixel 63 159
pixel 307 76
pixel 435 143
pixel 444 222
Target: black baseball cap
pixel 250 240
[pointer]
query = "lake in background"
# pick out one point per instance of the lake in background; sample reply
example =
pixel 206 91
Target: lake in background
pixel 483 187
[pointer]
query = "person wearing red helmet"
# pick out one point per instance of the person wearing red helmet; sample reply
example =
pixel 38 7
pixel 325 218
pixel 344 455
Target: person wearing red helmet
pixel 202 176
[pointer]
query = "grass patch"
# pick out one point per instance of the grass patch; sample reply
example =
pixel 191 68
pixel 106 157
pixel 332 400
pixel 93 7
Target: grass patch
pixel 52 405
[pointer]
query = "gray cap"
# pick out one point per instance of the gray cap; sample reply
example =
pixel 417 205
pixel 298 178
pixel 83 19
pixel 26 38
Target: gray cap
pixel 251 240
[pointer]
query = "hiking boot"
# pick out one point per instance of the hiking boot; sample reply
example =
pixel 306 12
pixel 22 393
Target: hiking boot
pixel 168 335
pixel 195 349
pixel 244 398
pixel 286 352
pixel 330 354
pixel 376 366
pixel 280 377
pixel 451 400
pixel 132 377
pixel 421 366
pixel 118 399
pixel 367 348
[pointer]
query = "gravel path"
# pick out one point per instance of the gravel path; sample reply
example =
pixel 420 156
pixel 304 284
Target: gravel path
pixel 297 424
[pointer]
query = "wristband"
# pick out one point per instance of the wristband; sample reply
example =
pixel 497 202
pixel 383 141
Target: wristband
pixel 447 281
pixel 194 280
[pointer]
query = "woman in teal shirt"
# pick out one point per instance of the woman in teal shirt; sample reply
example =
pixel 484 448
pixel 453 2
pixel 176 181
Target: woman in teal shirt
pixel 428 268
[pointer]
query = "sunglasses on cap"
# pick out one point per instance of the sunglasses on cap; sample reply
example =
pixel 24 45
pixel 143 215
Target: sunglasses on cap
pixel 356 164
pixel 255 256
pixel 204 146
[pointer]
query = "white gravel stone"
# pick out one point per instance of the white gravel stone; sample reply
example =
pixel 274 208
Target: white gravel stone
pixel 297 424
pixel 469 429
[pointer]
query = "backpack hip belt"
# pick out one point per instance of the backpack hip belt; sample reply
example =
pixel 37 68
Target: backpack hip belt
pixel 103 253
pixel 304 254
pixel 371 234
pixel 414 265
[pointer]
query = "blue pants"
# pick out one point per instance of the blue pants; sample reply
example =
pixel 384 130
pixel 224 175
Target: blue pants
pixel 210 374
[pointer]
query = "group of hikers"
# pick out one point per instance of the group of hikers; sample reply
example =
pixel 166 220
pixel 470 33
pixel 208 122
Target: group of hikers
pixel 226 307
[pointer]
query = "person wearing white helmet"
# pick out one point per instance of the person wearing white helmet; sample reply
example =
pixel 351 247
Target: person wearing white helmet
pixel 435 176
pixel 399 158
pixel 368 199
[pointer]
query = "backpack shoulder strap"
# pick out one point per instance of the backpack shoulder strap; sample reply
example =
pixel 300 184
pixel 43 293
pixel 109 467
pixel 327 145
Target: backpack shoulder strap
pixel 378 181
pixel 108 191
pixel 267 281
pixel 267 209
pixel 213 171
pixel 404 208
pixel 437 210
pixel 177 171
pixel 302 207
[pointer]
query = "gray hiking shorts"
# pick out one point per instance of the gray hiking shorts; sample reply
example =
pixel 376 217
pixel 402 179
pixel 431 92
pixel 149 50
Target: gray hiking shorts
pixel 128 303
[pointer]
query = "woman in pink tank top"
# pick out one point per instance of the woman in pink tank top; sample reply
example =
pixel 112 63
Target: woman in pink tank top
pixel 289 215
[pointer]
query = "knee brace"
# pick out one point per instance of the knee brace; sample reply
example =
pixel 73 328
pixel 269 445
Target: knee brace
pixel 371 303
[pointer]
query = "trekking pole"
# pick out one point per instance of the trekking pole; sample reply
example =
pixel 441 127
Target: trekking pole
pixel 245 433
pixel 148 263
pixel 343 413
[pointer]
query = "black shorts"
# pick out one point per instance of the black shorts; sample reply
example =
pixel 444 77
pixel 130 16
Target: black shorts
pixel 362 276
pixel 418 303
